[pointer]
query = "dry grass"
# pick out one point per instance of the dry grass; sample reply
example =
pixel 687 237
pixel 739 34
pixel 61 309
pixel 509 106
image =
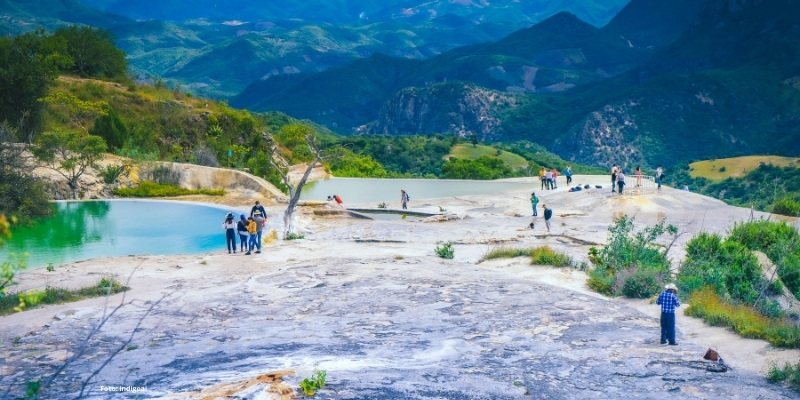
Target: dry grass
pixel 737 167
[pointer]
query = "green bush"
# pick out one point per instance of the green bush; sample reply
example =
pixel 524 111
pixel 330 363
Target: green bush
pixel 786 206
pixel 641 284
pixel 507 252
pixel 152 189
pixel 53 295
pixel 544 255
pixel 111 172
pixel 779 241
pixel 294 236
pixel 445 251
pixel 480 168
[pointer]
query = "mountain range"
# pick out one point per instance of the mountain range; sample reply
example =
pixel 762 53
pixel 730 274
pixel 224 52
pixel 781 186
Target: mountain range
pixel 664 82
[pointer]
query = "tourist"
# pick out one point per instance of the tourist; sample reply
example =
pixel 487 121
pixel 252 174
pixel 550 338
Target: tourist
pixel 258 207
pixel 668 300
pixel 330 198
pixel 659 175
pixel 548 213
pixel 230 232
pixel 252 229
pixel 534 204
pixel 244 235
pixel 404 199
pixel 638 176
pixel 548 180
pixel 568 174
pixel 542 174
pixel 260 222
pixel 555 178
pixel 620 180
pixel 613 178
pixel 685 188
pixel 338 200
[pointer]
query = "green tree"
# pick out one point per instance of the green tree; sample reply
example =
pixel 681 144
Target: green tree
pixel 22 196
pixel 29 63
pixel 69 154
pixel 112 129
pixel 480 168
pixel 93 51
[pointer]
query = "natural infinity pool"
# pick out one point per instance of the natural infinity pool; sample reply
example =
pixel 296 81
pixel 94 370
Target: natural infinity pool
pixel 359 190
pixel 92 229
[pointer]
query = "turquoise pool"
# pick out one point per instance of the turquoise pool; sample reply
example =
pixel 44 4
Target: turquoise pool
pixel 91 229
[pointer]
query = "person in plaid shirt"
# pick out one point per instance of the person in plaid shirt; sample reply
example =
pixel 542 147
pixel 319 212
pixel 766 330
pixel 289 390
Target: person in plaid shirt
pixel 668 300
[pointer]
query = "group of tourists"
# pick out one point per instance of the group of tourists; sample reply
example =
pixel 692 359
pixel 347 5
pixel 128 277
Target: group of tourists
pixel 249 229
pixel 549 177
pixel 618 177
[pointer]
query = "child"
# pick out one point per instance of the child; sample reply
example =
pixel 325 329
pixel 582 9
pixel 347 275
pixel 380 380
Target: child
pixel 252 229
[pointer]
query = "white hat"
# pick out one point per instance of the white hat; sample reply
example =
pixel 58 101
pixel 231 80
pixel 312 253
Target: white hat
pixel 670 286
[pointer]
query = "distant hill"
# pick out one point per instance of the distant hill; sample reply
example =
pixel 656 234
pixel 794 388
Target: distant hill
pixel 736 167
pixel 24 16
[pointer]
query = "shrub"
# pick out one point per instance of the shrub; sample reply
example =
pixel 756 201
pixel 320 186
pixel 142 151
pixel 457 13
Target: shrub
pixel 445 251
pixel 294 236
pixel 112 172
pixel 152 189
pixel 641 284
pixel 507 252
pixel 204 156
pixel 310 386
pixel 786 206
pixel 544 255
pixel 706 304
pixel 789 374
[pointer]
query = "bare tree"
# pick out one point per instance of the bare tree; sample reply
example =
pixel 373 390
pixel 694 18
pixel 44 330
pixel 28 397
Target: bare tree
pixel 282 167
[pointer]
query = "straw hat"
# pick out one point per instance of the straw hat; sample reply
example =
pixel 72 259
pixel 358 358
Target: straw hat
pixel 671 286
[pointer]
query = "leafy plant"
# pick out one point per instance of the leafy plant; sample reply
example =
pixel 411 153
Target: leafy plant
pixel 112 172
pixel 50 267
pixel 446 250
pixel 382 205
pixel 310 386
pixel 294 236
pixel 641 284
pixel 442 209
pixel 544 255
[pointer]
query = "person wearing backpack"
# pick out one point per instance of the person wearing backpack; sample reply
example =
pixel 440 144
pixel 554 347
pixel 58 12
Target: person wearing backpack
pixel 404 198
pixel 548 213
pixel 244 235
pixel 534 204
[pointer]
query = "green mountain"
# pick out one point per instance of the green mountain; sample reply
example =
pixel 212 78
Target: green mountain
pixel 552 56
pixel 24 16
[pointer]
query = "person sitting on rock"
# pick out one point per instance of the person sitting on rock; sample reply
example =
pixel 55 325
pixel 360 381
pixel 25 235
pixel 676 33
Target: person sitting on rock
pixel 668 300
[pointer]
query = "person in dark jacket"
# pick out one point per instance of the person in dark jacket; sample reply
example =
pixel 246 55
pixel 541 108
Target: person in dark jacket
pixel 668 300
pixel 241 227
pixel 258 207
pixel 548 213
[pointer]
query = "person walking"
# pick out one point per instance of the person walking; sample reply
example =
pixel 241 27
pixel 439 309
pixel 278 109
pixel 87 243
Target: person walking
pixel 258 207
pixel 260 222
pixel 548 213
pixel 555 178
pixel 668 300
pixel 568 174
pixel 548 180
pixel 230 232
pixel 613 178
pixel 638 176
pixel 542 174
pixel 659 175
pixel 252 229
pixel 620 181
pixel 404 199
pixel 534 203
pixel 244 235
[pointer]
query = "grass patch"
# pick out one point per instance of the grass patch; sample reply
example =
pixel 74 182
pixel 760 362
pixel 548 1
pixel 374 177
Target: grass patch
pixel 60 295
pixel 152 189
pixel 736 167
pixel 542 255
pixel 470 152
pixel 706 304
pixel 788 373
pixel 446 250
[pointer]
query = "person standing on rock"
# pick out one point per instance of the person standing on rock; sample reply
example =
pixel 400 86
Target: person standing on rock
pixel 555 178
pixel 542 174
pixel 258 207
pixel 620 181
pixel 613 178
pixel 548 213
pixel 668 300
pixel 244 235
pixel 260 222
pixel 659 175
pixel 252 229
pixel 404 199
pixel 230 232
pixel 534 203
pixel 638 176
pixel 568 174
pixel 548 180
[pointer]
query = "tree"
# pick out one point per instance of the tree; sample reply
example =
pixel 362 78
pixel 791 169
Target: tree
pixel 29 63
pixel 281 165
pixel 79 112
pixel 473 138
pixel 22 196
pixel 112 129
pixel 69 154
pixel 93 51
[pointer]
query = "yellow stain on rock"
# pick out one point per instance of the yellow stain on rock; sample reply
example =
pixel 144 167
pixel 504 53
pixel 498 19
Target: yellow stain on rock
pixel 274 388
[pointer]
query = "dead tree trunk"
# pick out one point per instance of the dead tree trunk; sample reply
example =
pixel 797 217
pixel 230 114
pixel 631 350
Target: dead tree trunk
pixel 280 165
